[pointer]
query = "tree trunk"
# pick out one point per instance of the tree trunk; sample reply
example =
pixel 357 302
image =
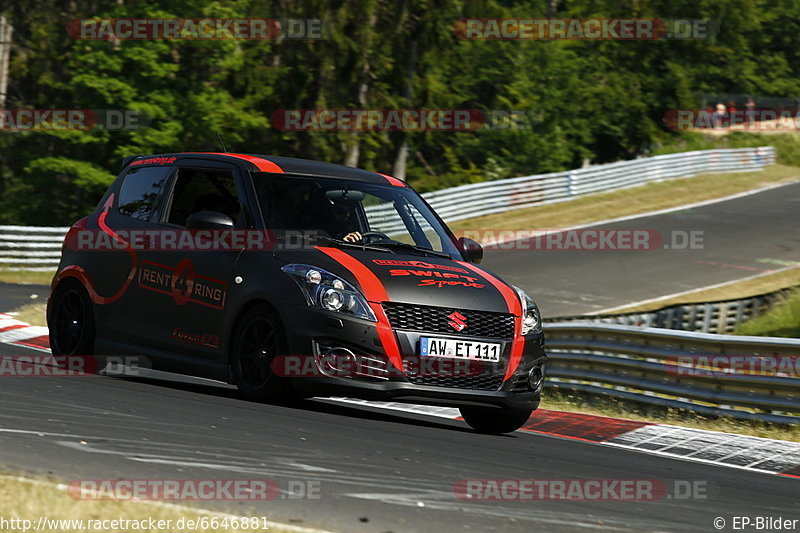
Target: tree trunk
pixel 6 32
pixel 353 151
pixel 399 168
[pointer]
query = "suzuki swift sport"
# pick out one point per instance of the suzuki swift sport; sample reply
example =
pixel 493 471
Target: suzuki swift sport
pixel 293 278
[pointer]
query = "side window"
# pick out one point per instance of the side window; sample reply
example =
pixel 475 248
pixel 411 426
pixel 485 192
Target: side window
pixel 141 191
pixel 203 190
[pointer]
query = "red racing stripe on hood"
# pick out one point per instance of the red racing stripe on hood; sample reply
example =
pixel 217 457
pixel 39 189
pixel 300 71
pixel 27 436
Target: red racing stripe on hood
pixel 514 307
pixel 375 293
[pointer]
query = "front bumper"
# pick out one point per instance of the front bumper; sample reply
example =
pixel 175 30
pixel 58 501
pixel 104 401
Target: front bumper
pixel 312 330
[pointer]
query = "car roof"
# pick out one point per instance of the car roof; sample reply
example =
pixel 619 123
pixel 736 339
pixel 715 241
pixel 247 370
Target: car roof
pixel 274 164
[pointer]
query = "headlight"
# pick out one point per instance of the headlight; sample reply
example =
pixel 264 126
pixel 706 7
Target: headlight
pixel 328 291
pixel 531 318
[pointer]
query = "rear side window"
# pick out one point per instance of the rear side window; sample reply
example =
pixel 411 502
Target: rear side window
pixel 142 191
pixel 203 190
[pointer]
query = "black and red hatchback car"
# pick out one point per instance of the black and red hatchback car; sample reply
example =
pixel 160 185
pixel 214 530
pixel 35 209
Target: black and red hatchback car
pixel 293 278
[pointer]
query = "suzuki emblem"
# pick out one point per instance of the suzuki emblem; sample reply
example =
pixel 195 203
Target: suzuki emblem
pixel 457 321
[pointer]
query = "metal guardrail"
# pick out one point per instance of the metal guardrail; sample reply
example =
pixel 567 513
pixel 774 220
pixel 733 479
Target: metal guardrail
pixel 665 367
pixel 467 201
pixel 38 248
pixel 485 198
pixel 33 248
pixel 708 317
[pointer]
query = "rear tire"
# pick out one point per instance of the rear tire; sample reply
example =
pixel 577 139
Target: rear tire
pixel 258 339
pixel 496 421
pixel 71 321
pixel 72 328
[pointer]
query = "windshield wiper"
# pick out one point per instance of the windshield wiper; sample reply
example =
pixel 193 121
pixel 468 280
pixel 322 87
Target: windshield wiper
pixel 415 248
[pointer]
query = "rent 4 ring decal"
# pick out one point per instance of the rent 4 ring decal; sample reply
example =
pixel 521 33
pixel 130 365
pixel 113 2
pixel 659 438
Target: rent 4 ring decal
pixel 183 284
pixel 419 264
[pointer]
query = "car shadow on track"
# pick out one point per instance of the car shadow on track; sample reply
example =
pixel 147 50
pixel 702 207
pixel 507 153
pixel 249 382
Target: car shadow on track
pixel 315 405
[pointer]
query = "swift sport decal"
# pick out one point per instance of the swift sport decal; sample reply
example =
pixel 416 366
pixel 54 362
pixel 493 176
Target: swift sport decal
pixel 445 278
pixel 183 284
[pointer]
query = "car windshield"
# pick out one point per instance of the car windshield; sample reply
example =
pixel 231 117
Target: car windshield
pixel 352 213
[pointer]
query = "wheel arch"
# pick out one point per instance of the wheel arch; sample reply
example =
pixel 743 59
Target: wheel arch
pixel 255 301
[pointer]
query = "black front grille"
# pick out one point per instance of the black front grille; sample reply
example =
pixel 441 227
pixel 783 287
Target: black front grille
pixel 435 320
pixel 483 382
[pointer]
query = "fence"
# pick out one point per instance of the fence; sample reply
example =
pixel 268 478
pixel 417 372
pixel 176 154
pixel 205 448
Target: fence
pixel 664 367
pixel 37 248
pixel 477 199
pixel 467 201
pixel 33 248
pixel 710 317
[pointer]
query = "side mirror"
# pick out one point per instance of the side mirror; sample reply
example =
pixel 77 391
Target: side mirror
pixel 209 220
pixel 473 250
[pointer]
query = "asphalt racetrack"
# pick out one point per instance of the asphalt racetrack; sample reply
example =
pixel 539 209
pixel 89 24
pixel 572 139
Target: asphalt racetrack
pixel 739 238
pixel 375 470
pixel 391 471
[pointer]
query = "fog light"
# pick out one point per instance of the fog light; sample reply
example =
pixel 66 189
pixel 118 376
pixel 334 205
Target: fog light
pixel 337 362
pixel 536 378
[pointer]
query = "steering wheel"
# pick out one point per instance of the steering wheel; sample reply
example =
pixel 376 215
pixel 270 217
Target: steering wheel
pixel 378 235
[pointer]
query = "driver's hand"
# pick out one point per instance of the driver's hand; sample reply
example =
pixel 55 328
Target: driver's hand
pixel 353 236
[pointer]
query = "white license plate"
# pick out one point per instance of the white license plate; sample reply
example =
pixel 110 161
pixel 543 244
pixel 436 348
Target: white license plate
pixel 460 349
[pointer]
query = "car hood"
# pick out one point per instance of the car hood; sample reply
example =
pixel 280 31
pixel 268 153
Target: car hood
pixel 413 279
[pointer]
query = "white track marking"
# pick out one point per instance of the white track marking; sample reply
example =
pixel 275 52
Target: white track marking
pixel 183 508
pixel 647 434
pixel 444 501
pixel 690 291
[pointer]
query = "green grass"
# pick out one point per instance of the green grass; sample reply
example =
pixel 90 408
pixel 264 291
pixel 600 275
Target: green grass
pixel 575 402
pixel 762 284
pixel 633 201
pixel 781 320
pixel 32 313
pixel 26 277
pixel 786 144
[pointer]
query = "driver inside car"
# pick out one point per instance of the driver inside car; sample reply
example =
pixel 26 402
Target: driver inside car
pixel 342 222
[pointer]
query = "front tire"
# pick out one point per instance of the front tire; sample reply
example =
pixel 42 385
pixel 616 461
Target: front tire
pixel 258 339
pixel 496 421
